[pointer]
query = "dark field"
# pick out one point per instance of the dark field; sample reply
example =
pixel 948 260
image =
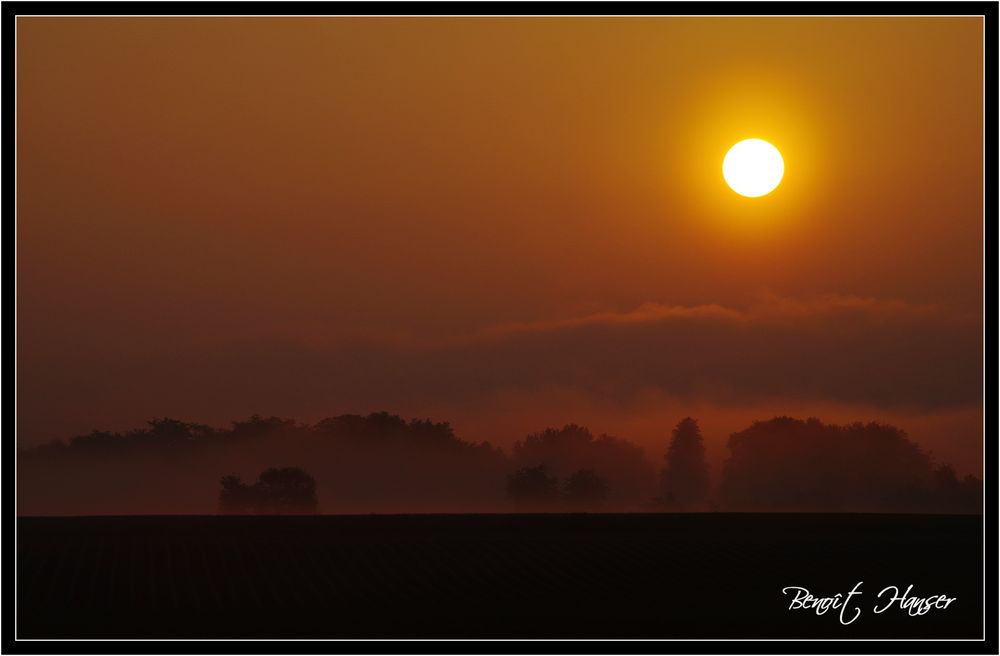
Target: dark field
pixel 491 576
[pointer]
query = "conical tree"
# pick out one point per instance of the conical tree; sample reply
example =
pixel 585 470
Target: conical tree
pixel 685 479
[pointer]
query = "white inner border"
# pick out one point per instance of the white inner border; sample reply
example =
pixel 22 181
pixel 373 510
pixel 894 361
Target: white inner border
pixel 980 17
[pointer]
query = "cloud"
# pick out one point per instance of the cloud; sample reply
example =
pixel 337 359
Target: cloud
pixel 645 313
pixel 767 307
pixel 822 350
pixel 832 348
pixel 825 349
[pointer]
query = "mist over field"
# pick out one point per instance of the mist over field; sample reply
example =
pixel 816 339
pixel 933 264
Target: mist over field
pixel 383 463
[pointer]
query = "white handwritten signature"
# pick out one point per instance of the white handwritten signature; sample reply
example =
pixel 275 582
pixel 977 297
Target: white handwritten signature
pixel 849 609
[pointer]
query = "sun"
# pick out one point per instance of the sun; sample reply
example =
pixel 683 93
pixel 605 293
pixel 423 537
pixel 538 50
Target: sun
pixel 753 168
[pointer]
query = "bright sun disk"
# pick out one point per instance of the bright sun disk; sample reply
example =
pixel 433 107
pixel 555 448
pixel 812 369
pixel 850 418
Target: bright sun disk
pixel 753 168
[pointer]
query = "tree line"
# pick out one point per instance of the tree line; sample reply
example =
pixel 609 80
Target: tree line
pixel 381 462
pixel 783 464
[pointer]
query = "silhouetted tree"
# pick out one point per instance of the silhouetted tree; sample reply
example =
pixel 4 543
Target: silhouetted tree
pixel 258 426
pixel 532 486
pixel 381 429
pixel 790 464
pixel 286 490
pixel 236 497
pixel 585 489
pixel 954 495
pixel 630 476
pixel 685 479
pixel 171 432
pixel 278 491
pixel 99 443
pixel 971 497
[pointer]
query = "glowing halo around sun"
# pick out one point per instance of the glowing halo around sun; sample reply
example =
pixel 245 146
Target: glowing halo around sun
pixel 753 168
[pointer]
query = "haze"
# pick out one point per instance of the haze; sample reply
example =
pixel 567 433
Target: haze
pixel 503 223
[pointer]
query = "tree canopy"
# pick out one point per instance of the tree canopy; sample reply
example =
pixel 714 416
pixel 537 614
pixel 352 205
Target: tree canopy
pixel 791 464
pixel 277 491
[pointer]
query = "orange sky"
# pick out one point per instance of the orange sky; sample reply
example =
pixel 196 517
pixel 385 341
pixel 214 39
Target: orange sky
pixel 503 222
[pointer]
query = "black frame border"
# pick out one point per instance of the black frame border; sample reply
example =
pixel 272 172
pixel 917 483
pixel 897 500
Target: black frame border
pixel 11 9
